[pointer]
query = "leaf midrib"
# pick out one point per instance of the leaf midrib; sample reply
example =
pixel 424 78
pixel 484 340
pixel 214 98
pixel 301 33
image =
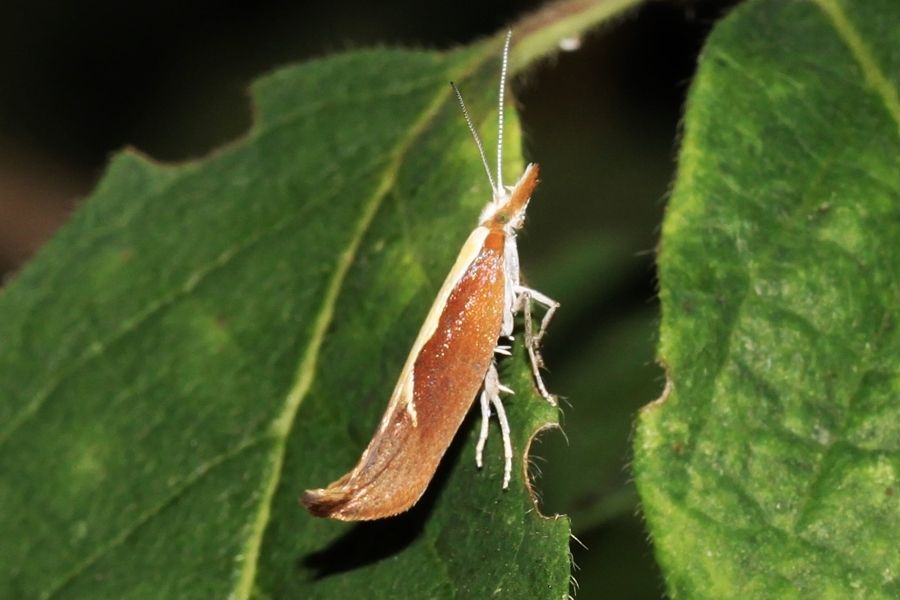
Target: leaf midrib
pixel 874 76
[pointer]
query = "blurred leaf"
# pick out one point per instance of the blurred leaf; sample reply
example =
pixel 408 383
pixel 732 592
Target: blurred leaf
pixel 772 467
pixel 607 383
pixel 581 272
pixel 614 560
pixel 202 342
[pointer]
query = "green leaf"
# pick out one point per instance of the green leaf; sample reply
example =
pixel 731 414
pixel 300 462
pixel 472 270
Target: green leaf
pixel 203 342
pixel 772 466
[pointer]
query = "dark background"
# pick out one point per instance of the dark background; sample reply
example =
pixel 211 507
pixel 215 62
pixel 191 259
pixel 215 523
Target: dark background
pixel 80 80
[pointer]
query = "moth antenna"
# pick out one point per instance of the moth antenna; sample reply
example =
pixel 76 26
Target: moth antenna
pixel 462 105
pixel 500 122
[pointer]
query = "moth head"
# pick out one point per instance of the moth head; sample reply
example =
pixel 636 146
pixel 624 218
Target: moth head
pixel 507 209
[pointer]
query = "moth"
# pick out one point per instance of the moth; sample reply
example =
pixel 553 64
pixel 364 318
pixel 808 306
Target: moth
pixel 453 357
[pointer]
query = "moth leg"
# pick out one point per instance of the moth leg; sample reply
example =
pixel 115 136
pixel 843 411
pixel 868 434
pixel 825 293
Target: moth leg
pixel 491 388
pixel 507 440
pixel 490 395
pixel 532 341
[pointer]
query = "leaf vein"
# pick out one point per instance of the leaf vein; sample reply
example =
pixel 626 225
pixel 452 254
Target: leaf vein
pixel 192 280
pixel 186 483
pixel 874 75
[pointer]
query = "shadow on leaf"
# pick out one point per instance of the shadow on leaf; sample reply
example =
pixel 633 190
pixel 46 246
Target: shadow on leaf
pixel 369 542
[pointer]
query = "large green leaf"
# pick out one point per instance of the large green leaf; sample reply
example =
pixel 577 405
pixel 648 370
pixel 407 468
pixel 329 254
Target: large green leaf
pixel 772 466
pixel 202 342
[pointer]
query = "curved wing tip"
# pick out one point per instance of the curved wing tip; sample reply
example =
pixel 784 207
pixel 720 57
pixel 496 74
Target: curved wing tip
pixel 322 504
